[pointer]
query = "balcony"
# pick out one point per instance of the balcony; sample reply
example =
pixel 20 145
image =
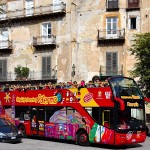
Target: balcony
pixel 111 35
pixel 111 71
pixel 33 76
pixel 44 42
pixel 5 46
pixel 134 5
pixel 33 12
pixel 34 80
pixel 112 5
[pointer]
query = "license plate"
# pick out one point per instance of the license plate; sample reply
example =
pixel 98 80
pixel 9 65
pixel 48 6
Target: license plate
pixel 13 138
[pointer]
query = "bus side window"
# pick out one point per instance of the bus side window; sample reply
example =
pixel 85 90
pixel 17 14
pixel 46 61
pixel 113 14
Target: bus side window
pixel 21 116
pixel 50 111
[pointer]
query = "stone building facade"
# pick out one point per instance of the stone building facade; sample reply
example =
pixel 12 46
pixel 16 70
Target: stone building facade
pixel 51 36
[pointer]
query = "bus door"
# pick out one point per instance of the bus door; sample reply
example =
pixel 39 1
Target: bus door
pixel 37 121
pixel 108 121
pixel 106 118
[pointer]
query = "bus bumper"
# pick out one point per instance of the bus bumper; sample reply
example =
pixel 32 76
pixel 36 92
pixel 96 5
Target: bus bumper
pixel 130 138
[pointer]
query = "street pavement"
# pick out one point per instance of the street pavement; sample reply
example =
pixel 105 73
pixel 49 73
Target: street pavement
pixel 44 144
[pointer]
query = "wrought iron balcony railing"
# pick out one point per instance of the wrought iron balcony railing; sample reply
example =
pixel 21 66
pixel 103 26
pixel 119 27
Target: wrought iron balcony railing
pixel 104 34
pixel 33 75
pixel 44 40
pixel 5 44
pixel 111 71
pixel 34 11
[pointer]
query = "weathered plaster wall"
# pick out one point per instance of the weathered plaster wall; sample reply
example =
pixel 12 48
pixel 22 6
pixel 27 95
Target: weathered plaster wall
pixel 76 38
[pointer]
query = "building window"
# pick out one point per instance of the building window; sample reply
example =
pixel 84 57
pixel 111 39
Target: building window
pixel 46 32
pixel 2 11
pixel 112 4
pixel 111 23
pixel 133 23
pixel 111 63
pixel 46 67
pixel 133 3
pixel 29 4
pixel 57 5
pixel 3 69
pixel 4 38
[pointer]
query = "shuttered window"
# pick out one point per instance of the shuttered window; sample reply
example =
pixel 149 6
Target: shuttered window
pixel 3 69
pixel 46 67
pixel 2 11
pixel 111 63
pixel 133 3
pixel 112 4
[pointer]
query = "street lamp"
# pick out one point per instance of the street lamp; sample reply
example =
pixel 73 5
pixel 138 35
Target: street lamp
pixel 73 70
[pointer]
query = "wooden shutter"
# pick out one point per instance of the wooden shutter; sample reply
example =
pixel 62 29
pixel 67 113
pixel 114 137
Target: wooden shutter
pixel 3 69
pixel 111 63
pixel 112 4
pixel 133 3
pixel 46 67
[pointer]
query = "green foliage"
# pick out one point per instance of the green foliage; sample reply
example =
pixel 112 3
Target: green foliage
pixel 25 72
pixel 18 71
pixel 21 72
pixel 141 50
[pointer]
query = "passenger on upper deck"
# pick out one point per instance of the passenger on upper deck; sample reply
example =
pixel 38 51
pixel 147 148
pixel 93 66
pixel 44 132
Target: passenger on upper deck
pixel 117 89
pixel 82 85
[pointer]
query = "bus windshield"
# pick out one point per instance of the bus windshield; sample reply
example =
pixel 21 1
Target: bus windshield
pixel 130 119
pixel 125 88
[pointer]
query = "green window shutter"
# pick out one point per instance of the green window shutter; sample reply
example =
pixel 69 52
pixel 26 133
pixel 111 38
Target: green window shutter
pixel 46 67
pixel 3 69
pixel 111 63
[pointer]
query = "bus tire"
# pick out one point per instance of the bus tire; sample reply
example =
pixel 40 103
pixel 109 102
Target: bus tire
pixel 22 129
pixel 82 138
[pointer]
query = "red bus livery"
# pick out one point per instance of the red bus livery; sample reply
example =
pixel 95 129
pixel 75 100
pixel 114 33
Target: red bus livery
pixel 114 114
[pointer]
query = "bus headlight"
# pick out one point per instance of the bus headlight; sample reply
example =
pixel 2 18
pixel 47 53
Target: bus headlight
pixel 123 127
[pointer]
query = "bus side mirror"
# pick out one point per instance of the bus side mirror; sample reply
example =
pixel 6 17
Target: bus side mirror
pixel 121 103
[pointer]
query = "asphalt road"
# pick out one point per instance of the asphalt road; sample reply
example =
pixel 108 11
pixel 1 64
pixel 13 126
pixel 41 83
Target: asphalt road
pixel 43 144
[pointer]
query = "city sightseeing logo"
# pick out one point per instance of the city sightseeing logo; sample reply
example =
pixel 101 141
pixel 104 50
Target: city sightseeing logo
pixel 7 97
pixel 129 135
pixel 107 95
pixel 88 97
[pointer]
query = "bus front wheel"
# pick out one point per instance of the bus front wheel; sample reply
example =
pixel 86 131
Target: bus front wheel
pixel 23 130
pixel 82 138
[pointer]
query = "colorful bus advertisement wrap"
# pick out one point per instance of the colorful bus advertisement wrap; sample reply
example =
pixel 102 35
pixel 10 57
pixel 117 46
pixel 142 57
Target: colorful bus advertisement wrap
pixel 112 114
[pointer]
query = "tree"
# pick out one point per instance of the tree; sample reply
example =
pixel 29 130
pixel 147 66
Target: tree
pixel 141 50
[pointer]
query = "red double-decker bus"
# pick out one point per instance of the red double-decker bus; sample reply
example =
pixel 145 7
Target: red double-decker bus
pixel 114 114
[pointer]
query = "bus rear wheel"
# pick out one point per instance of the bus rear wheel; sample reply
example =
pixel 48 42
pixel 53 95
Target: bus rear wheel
pixel 23 130
pixel 82 138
